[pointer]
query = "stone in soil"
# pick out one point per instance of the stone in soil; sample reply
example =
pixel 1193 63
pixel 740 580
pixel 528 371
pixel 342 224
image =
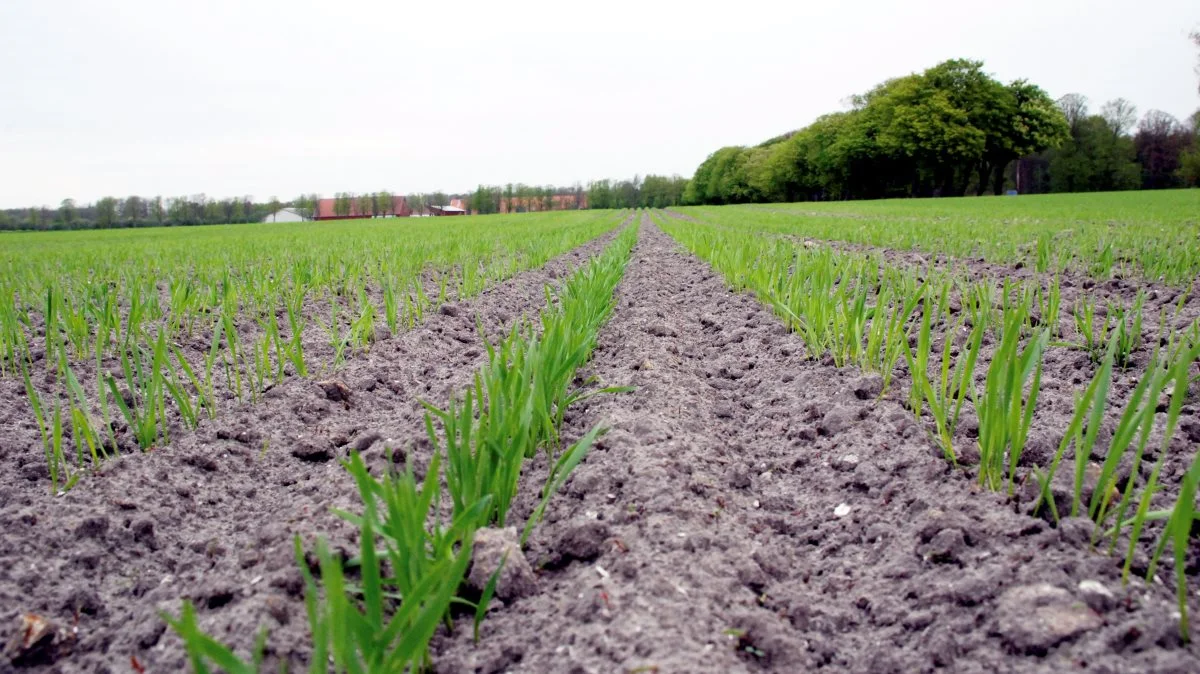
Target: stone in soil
pixel 492 548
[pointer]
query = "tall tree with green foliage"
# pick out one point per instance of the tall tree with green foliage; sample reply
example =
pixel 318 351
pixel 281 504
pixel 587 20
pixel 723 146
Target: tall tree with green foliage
pixel 106 212
pixel 1026 121
pixel 67 213
pixel 385 203
pixel 937 132
pixel 273 206
pixel 600 194
pixel 132 211
pixel 158 213
pixel 1098 154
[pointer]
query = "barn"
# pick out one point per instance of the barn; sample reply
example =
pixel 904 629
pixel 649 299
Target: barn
pixel 447 210
pixel 326 210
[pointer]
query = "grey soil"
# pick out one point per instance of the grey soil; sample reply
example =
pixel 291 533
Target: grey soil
pixel 1067 370
pixel 212 516
pixel 751 510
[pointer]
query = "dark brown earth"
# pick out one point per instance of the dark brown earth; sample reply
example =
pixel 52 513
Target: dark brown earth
pixel 211 517
pixel 750 510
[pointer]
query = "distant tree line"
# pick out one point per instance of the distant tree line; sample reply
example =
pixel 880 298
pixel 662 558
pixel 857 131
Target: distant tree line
pixel 521 198
pixel 649 192
pixel 948 131
pixel 954 130
pixel 1112 150
pixel 136 211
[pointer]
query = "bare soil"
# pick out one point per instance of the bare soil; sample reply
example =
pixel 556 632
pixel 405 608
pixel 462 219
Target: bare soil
pixel 1067 370
pixel 212 516
pixel 750 510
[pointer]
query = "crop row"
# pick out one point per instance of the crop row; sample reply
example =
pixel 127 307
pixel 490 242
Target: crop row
pixel 1152 235
pixel 378 611
pixel 120 331
pixel 967 347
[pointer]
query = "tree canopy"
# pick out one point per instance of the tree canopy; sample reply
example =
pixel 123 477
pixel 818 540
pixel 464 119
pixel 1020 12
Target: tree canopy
pixel 938 132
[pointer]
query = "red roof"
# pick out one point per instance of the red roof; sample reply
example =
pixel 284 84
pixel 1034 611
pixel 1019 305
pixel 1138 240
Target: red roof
pixel 325 208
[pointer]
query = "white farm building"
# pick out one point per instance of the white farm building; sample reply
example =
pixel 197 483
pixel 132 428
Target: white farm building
pixel 285 215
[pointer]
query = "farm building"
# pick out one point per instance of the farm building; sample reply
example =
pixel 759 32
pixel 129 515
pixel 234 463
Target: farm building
pixel 558 202
pixel 285 215
pixel 326 210
pixel 447 210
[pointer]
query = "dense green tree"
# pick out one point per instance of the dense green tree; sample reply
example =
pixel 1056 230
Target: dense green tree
pixel 106 212
pixel 301 205
pixel 1098 153
pixel 133 211
pixel 237 211
pixel 1028 122
pixel 417 203
pixel 385 203
pixel 67 213
pixel 178 211
pixel 307 205
pixel 627 193
pixel 1189 161
pixel 662 191
pixel 938 132
pixel 600 194
pixel 214 212
pixel 1189 167
pixel 479 200
pixel 928 120
pixel 158 213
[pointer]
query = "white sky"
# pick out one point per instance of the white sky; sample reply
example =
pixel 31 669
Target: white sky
pixel 279 97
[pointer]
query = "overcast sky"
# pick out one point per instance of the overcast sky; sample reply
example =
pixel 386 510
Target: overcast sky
pixel 279 97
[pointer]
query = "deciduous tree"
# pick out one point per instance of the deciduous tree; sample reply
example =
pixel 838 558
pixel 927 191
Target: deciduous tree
pixel 1160 143
pixel 67 213
pixel 106 212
